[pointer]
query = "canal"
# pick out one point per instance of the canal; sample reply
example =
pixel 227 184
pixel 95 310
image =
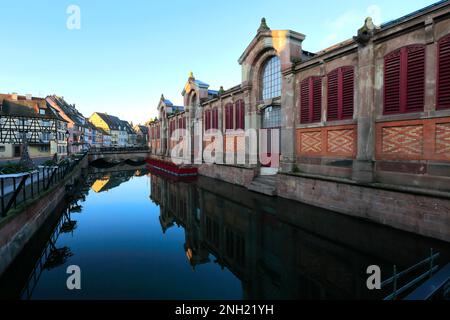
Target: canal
pixel 139 235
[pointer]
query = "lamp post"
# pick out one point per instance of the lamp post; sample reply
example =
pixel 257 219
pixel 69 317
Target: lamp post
pixel 67 139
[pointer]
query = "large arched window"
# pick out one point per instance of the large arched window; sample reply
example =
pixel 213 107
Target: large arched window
pixel 271 79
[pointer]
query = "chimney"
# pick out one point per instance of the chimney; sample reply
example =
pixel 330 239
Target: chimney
pixel 29 96
pixel 14 96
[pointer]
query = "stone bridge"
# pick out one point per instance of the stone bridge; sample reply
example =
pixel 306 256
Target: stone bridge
pixel 113 155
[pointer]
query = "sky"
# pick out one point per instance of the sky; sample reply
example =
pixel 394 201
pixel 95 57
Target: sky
pixel 120 56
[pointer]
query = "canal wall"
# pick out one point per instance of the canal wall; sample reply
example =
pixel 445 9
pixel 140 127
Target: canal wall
pixel 232 174
pixel 18 229
pixel 414 211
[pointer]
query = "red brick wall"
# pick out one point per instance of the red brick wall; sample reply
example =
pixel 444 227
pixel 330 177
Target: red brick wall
pixel 336 141
pixel 427 139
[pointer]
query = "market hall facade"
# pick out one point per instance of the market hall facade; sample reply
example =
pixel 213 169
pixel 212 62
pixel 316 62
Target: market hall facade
pixel 367 118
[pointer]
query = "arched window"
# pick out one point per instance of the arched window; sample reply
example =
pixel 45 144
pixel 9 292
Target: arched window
pixel 271 79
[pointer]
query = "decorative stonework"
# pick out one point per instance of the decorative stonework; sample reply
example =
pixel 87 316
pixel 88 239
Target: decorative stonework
pixel 443 138
pixel 332 141
pixel 425 139
pixel 405 140
pixel 311 142
pixel 341 141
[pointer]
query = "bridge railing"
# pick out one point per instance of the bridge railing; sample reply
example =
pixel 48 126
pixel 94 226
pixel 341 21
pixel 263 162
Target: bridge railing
pixel 22 187
pixel 118 149
pixel 428 263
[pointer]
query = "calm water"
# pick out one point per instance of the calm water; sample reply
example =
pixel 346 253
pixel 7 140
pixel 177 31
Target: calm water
pixel 137 235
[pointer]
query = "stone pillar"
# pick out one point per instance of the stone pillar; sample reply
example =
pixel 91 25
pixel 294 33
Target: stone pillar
pixel 363 166
pixel 431 56
pixel 288 115
pixel 220 128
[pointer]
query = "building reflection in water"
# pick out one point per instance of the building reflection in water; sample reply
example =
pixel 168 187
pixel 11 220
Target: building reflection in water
pixel 280 249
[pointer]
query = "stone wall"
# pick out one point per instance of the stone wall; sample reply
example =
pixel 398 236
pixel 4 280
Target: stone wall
pixel 235 175
pixel 420 214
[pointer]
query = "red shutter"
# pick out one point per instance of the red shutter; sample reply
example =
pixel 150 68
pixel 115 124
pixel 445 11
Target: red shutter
pixel 240 115
pixel 392 66
pixel 317 99
pixel 443 83
pixel 415 97
pixel 229 116
pixel 208 119
pixel 348 92
pixel 404 80
pixel 311 100
pixel 333 95
pixel 214 119
pixel 304 101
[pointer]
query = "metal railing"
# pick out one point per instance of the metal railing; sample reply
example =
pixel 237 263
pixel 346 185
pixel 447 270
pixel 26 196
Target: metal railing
pixel 397 291
pixel 118 149
pixel 19 188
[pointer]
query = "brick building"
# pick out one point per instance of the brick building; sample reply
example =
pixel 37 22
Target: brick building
pixel 373 108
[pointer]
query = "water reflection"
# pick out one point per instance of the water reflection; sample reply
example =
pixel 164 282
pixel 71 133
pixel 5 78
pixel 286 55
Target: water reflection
pixel 203 240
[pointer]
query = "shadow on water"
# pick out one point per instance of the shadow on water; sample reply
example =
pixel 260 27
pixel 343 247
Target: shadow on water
pixel 234 244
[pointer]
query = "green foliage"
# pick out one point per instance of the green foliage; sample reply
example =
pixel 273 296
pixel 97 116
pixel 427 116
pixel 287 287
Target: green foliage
pixel 49 163
pixel 13 167
pixel 295 169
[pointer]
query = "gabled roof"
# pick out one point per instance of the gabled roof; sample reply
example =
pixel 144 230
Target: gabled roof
pixel 112 122
pixel 168 102
pixel 128 127
pixel 22 107
pixel 69 110
pixel 143 129
pixel 201 84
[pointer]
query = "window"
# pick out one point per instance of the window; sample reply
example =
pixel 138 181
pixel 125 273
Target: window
pixel 207 120
pixel 271 117
pixel 271 79
pixel 42 111
pixel 171 127
pixel 2 149
pixel 311 100
pixel 404 80
pixel 443 74
pixel 215 118
pixel 182 123
pixel 340 94
pixel 240 114
pixel 45 136
pixel 229 125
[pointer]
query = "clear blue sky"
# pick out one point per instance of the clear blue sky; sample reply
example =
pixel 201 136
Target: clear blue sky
pixel 129 52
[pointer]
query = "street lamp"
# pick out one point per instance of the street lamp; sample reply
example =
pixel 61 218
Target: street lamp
pixel 67 139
